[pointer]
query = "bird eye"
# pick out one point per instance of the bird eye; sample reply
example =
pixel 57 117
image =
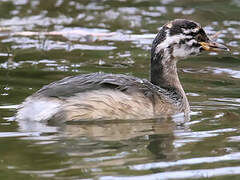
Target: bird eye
pixel 199 38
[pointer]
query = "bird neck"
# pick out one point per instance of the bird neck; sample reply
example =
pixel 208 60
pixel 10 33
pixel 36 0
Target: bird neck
pixel 164 73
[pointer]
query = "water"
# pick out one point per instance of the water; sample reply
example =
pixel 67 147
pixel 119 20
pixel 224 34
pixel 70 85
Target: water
pixel 43 41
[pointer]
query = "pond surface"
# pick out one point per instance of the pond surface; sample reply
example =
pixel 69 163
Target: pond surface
pixel 43 41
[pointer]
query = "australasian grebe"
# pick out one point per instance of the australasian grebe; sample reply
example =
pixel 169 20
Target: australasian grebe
pixel 117 96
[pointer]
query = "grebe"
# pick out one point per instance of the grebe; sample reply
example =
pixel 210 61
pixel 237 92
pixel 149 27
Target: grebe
pixel 118 96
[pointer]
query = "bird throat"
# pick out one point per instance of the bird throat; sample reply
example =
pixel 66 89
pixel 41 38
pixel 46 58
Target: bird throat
pixel 164 72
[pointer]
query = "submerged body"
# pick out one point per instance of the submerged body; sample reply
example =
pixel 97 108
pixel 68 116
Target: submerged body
pixel 112 96
pixel 102 96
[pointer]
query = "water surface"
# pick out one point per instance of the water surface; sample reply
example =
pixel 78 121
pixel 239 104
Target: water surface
pixel 43 41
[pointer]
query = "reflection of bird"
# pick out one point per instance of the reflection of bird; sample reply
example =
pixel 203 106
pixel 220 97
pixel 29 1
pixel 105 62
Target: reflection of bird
pixel 117 96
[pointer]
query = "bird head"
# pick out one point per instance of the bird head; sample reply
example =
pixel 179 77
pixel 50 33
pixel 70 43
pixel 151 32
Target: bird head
pixel 181 38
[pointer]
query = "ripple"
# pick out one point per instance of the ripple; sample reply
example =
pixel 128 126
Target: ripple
pixel 92 47
pixel 17 134
pixel 167 1
pixel 234 139
pixel 184 137
pixel 203 134
pixel 200 173
pixel 161 9
pixel 230 23
pixel 20 2
pixel 104 158
pixel 192 161
pixel 9 65
pixel 231 72
pixel 183 11
pixel 43 173
pixel 233 100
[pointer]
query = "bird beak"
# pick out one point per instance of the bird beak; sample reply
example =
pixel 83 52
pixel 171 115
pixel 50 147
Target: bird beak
pixel 213 46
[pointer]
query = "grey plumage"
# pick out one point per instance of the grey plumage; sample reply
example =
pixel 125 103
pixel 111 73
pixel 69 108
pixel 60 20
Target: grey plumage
pixel 94 81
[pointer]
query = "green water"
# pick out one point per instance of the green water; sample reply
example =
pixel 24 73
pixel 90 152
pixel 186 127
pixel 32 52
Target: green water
pixel 43 41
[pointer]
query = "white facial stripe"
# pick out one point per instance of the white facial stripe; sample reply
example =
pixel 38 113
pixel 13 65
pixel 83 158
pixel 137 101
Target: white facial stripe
pixel 187 31
pixel 180 52
pixel 184 51
pixel 190 43
pixel 171 40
